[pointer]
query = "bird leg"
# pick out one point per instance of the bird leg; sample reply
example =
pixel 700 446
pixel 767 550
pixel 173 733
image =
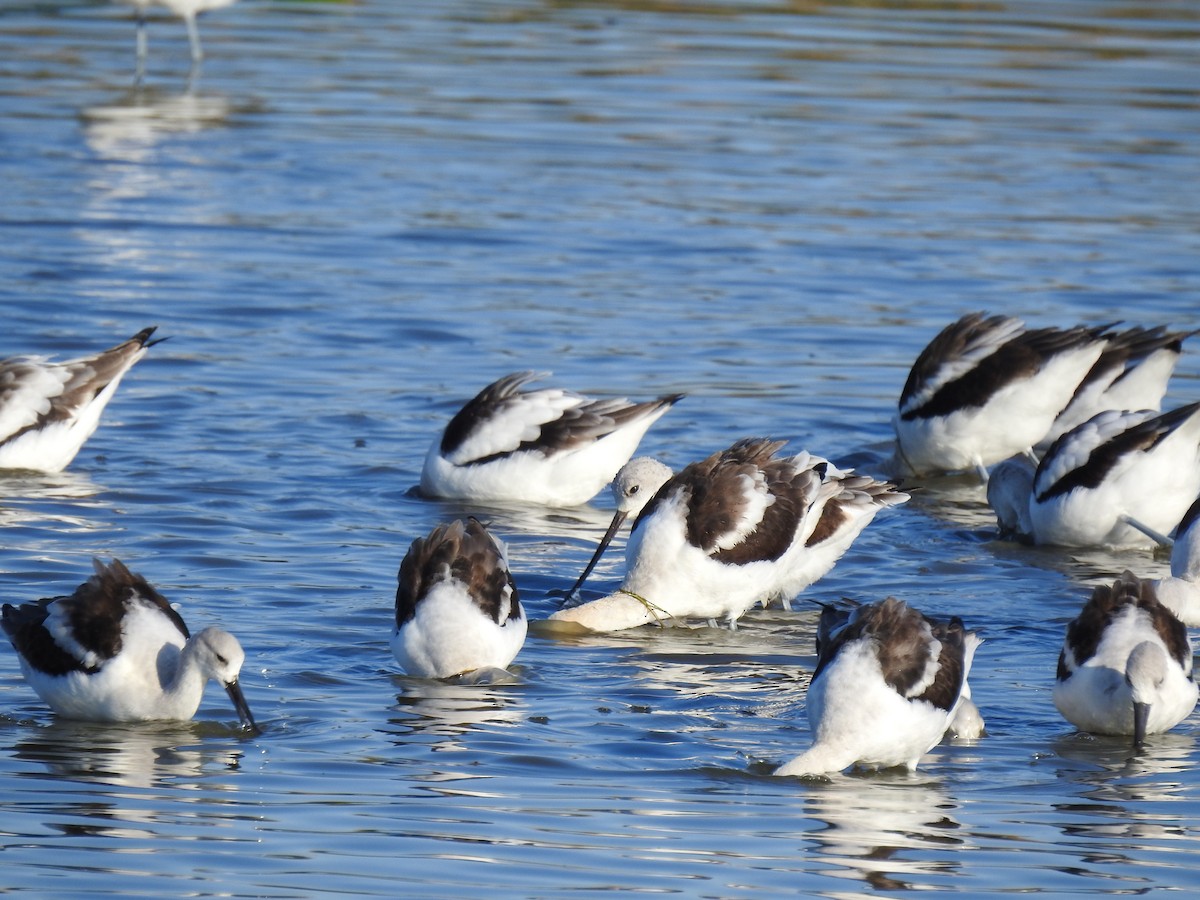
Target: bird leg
pixel 194 39
pixel 1154 535
pixel 140 71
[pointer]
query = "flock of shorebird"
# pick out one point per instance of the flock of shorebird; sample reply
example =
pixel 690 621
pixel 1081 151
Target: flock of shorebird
pixel 1062 423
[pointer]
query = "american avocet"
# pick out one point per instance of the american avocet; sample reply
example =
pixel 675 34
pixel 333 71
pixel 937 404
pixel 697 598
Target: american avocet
pixel 1131 373
pixel 1126 664
pixel 1121 479
pixel 985 389
pixel 116 651
pixel 841 519
pixel 886 688
pixel 457 607
pixel 1180 591
pixel 548 446
pixel 966 723
pixel 739 527
pixel 186 10
pixel 48 409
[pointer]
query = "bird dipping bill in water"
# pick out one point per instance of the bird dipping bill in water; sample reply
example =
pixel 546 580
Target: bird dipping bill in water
pixel 457 606
pixel 887 686
pixel 740 527
pixel 1126 664
pixel 985 389
pixel 547 446
pixel 1121 479
pixel 116 651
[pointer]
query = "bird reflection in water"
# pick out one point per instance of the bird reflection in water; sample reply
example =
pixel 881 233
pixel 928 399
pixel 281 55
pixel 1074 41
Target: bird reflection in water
pixel 1129 804
pixel 455 707
pixel 140 118
pixel 1106 767
pixel 53 500
pixel 171 755
pixel 891 830
pixel 138 140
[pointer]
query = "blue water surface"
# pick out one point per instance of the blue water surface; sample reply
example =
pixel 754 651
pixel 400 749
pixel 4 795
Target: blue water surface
pixel 358 214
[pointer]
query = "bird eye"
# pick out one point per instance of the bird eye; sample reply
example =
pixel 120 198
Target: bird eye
pixel 635 489
pixel 222 660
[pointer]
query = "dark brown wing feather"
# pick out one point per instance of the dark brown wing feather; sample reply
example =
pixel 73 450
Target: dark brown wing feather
pixel 1139 438
pixel 482 407
pixel 834 513
pixel 460 552
pixel 1086 631
pixel 25 627
pixel 719 464
pixel 794 492
pixel 833 517
pixel 901 637
pixel 1017 359
pixel 88 377
pixel 948 680
pixel 593 420
pixel 580 425
pixel 95 614
pixel 948 344
pixel 714 494
pixel 1125 349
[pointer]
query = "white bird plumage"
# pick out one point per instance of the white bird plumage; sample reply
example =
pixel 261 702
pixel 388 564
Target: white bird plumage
pixel 1126 664
pixel 116 651
pixel 547 446
pixel 48 409
pixel 1180 591
pixel 985 389
pixel 1132 373
pixel 737 528
pixel 457 606
pixel 1121 479
pixel 887 686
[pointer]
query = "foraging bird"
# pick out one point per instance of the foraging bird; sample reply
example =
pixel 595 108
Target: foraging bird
pixel 887 686
pixel 457 606
pixel 737 528
pixel 547 446
pixel 1121 479
pixel 985 389
pixel 116 651
pixel 1126 664
pixel 49 409
pixel 966 723
pixel 187 10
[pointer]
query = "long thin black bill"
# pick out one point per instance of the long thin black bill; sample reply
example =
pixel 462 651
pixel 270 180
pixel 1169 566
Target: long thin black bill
pixel 234 690
pixel 1141 715
pixel 617 519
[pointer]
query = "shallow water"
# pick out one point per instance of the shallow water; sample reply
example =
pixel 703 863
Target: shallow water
pixel 360 214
